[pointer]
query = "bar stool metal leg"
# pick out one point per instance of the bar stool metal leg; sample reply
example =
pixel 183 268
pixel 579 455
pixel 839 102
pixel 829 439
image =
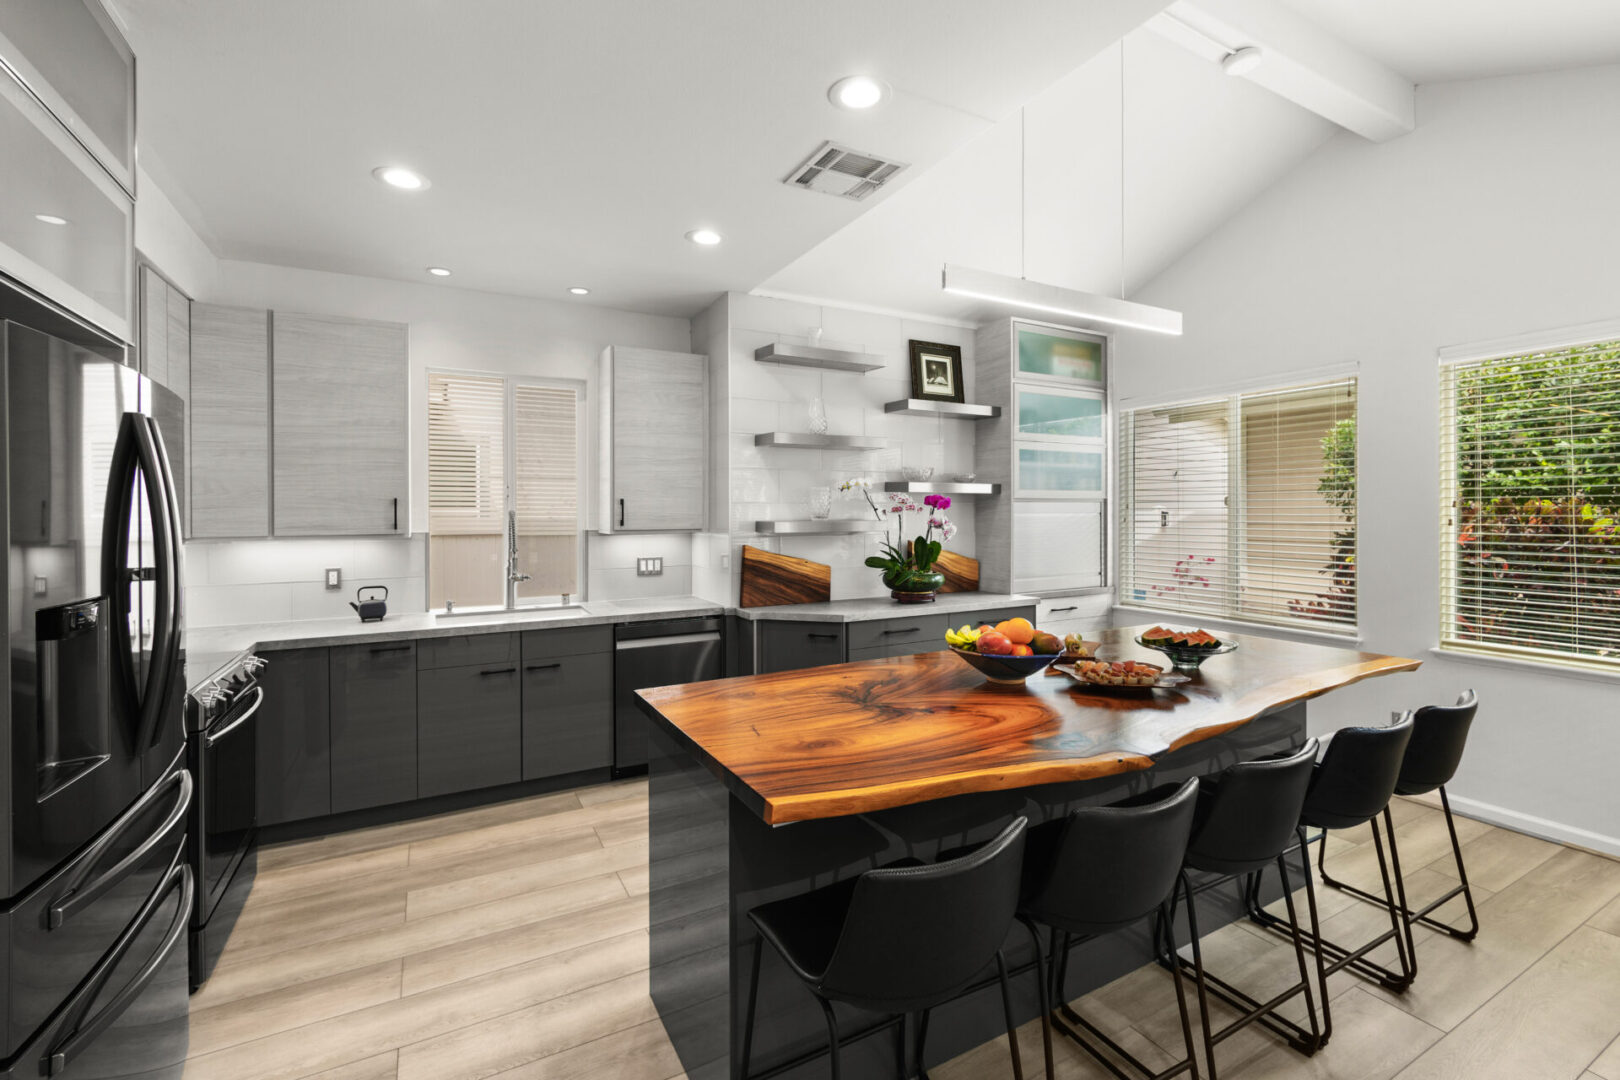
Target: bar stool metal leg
pixel 1012 1025
pixel 832 1035
pixel 753 1001
pixel 1044 997
pixel 922 1043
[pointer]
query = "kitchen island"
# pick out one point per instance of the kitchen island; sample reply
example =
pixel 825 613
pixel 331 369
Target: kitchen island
pixel 769 785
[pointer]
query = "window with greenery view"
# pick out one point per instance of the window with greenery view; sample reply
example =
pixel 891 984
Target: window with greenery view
pixel 1530 472
pixel 1243 507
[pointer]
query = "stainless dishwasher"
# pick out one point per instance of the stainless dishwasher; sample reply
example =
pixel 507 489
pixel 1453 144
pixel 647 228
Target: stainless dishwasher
pixel 665 653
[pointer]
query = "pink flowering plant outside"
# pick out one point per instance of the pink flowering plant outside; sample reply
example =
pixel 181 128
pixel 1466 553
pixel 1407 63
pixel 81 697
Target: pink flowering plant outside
pixel 901 568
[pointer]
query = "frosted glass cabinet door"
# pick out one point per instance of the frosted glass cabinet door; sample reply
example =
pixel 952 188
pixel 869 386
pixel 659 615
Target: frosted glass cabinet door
pixel 1060 415
pixel 1053 354
pixel 1046 471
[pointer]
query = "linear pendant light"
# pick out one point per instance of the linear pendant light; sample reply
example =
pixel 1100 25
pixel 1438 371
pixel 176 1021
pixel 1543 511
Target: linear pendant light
pixel 1055 299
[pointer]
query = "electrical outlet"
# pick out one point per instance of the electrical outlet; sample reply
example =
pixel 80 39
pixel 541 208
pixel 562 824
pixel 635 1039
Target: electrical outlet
pixel 42 586
pixel 725 561
pixel 649 567
pixel 334 577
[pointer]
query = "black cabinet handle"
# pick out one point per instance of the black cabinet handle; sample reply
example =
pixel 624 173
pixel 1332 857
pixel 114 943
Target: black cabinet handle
pixel 396 513
pixel 390 648
pixel 1055 610
pixel 904 630
pixel 542 667
pixel 822 637
pixel 500 671
pixel 621 513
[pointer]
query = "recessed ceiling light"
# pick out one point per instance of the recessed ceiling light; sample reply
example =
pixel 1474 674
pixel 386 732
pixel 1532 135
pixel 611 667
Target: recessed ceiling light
pixel 438 271
pixel 1242 61
pixel 858 92
pixel 706 237
pixel 50 219
pixel 401 177
pixel 580 290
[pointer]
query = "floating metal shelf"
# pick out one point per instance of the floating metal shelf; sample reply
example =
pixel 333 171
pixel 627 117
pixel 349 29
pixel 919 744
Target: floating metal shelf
pixel 944 487
pixel 817 527
pixel 953 409
pixel 806 441
pixel 815 356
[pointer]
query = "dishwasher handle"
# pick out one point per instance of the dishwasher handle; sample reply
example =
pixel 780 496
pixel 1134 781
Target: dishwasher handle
pixel 664 642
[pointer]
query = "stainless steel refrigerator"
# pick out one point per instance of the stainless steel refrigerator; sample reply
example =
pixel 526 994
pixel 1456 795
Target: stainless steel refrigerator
pixel 96 890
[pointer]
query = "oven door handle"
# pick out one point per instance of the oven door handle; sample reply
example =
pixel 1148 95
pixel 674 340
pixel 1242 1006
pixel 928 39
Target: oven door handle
pixel 215 736
pixel 77 896
pixel 86 1032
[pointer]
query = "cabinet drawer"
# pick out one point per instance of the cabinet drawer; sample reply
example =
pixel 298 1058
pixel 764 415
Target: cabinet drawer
pixel 545 644
pixel 444 652
pixel 468 728
pixel 915 628
pixel 788 646
pixel 567 714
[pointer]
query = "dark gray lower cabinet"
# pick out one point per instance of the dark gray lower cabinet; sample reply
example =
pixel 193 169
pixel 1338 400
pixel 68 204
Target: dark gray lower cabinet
pixel 567 714
pixel 373 725
pixel 294 779
pixel 787 646
pixel 468 734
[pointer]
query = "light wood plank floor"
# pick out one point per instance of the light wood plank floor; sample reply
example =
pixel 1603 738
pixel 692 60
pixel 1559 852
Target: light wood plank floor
pixel 510 941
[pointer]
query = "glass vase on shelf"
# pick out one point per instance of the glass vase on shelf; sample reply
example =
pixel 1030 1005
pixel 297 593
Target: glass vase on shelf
pixel 820 502
pixel 817 416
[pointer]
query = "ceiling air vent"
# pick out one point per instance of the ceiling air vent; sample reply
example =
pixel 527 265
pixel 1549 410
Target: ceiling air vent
pixel 838 170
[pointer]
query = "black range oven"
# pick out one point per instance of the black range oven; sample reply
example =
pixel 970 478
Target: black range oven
pixel 220 746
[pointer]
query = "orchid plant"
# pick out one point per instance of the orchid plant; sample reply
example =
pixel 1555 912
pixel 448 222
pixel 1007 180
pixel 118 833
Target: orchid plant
pixel 900 567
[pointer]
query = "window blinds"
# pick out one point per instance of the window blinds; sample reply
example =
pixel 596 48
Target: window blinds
pixel 1243 507
pixel 466 453
pixel 546 466
pixel 1530 480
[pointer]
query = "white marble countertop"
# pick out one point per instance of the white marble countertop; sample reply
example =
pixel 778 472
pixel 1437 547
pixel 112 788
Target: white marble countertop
pixel 209 647
pixel 882 607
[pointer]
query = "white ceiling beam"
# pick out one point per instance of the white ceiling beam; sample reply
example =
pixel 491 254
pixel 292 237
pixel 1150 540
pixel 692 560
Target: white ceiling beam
pixel 1302 62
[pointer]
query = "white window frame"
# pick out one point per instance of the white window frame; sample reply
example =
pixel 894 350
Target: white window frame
pixel 1449 357
pixel 1237 523
pixel 582 420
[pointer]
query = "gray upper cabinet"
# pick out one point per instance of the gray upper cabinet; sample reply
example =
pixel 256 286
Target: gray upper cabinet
pixel 342 438
pixel 230 425
pixel 73 58
pixel 655 436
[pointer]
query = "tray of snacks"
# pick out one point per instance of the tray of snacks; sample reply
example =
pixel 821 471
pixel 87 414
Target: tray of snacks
pixel 1120 676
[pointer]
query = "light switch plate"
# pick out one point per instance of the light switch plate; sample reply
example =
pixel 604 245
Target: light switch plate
pixel 649 567
pixel 334 577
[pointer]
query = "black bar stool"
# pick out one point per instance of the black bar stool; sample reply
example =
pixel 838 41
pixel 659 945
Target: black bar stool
pixel 898 940
pixel 1100 869
pixel 1246 820
pixel 1439 734
pixel 1351 786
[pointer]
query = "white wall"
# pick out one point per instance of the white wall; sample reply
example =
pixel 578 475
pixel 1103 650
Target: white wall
pixel 770 483
pixel 1497 216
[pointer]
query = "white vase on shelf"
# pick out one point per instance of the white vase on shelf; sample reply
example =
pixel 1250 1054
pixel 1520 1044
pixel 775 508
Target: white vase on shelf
pixel 816 414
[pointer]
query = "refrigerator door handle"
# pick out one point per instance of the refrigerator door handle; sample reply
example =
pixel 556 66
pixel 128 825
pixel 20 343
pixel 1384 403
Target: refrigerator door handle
pixel 85 1032
pixel 116 523
pixel 165 627
pixel 77 896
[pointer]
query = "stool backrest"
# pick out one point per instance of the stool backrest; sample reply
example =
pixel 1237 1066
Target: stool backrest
pixel 920 933
pixel 1112 865
pixel 1251 816
pixel 1356 776
pixel 1438 736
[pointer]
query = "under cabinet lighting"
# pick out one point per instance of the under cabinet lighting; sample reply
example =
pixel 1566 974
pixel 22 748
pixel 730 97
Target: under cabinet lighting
pixel 438 271
pixel 50 219
pixel 580 290
pixel 1056 300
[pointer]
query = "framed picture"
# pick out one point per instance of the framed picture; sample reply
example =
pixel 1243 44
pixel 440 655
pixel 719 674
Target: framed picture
pixel 936 371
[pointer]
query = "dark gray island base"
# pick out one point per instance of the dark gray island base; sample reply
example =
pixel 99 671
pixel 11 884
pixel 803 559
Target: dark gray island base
pixel 713 859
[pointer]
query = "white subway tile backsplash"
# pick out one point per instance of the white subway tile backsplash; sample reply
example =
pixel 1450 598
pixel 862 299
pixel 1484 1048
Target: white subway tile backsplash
pixel 621 550
pixel 624 584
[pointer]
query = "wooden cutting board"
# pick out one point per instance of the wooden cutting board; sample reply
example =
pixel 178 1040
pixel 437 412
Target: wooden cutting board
pixel 769 578
pixel 961 572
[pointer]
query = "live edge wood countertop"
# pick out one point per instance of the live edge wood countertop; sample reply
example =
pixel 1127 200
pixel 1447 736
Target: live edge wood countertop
pixel 853 738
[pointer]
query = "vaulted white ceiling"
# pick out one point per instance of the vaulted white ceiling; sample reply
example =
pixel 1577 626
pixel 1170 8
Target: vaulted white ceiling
pixel 568 142
pixel 1197 146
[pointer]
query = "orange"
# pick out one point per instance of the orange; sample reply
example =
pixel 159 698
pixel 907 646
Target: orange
pixel 1018 631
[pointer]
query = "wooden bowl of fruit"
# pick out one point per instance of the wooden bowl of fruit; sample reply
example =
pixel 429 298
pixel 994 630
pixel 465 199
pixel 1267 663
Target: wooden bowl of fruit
pixel 1007 653
pixel 1185 648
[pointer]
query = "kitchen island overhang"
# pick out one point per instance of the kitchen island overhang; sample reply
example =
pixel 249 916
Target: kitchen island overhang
pixel 764 786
